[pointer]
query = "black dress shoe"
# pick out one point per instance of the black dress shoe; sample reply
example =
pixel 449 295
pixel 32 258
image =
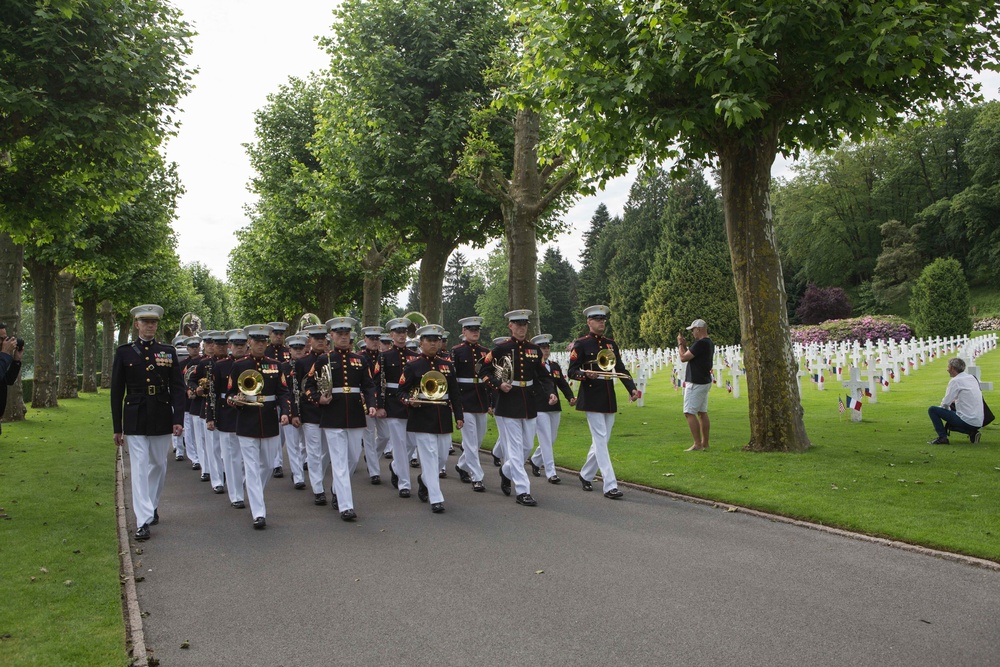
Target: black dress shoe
pixel 443 474
pixel 305 465
pixel 259 523
pixel 348 515
pixel 205 477
pixel 422 490
pixel 156 518
pixel 497 462
pixel 451 452
pixel 535 470
pixel 462 475
pixel 414 463
pixel 526 500
pixel 587 486
pixel 940 440
pixel 388 456
pixel 404 493
pixel 437 508
pixel 394 479
pixel 238 504
pixel 299 486
pixel 614 494
pixel 319 499
pixel 555 479
pixel 178 457
pixel 278 472
pixel 333 501
pixel 142 534
pixel 219 489
pixel 478 487
pixel 376 480
pixel 195 466
pixel 504 484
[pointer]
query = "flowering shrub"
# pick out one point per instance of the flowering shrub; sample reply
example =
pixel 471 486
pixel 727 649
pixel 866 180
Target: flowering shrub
pixel 869 327
pixel 986 324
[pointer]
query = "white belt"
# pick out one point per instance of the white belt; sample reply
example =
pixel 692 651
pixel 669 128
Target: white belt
pixel 392 385
pixel 522 383
pixel 346 390
pixel 468 380
pixel 269 399
pixel 222 395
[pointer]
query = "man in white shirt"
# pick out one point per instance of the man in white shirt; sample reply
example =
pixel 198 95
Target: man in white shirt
pixel 967 398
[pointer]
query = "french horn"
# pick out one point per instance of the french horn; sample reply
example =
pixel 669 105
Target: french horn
pixel 250 383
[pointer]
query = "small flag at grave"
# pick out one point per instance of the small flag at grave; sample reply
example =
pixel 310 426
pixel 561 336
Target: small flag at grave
pixel 885 381
pixel 814 377
pixel 729 386
pixel 841 401
pixel 868 392
pixel 853 404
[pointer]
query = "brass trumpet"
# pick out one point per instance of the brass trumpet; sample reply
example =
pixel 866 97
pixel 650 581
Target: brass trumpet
pixel 606 361
pixel 250 383
pixel 433 387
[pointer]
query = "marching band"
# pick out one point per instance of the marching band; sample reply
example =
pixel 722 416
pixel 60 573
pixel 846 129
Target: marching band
pixel 237 403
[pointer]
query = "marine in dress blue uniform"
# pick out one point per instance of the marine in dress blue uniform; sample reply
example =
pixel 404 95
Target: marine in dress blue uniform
pixel 597 397
pixel 376 430
pixel 317 454
pixel 222 419
pixel 393 362
pixel 549 415
pixel 476 398
pixel 147 407
pixel 278 350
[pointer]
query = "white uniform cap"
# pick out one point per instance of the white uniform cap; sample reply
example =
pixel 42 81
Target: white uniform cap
pixel 341 323
pixel 471 322
pixel 398 323
pixel 258 330
pixel 236 336
pixel 597 311
pixel 147 311
pixel 298 340
pixel 279 327
pixel 518 315
pixel 499 340
pixel 178 340
pixel 316 330
pixel 542 339
pixel 412 343
pixel 430 330
pixel 385 338
pixel 192 341
pixel 371 331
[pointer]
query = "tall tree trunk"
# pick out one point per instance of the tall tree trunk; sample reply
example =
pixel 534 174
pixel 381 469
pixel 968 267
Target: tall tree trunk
pixel 327 296
pixel 776 422
pixel 373 265
pixel 125 330
pixel 108 343
pixel 46 383
pixel 11 275
pixel 90 345
pixel 66 312
pixel 432 269
pixel 522 262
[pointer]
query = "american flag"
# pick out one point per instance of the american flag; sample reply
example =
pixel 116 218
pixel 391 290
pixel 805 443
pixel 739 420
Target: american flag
pixel 729 386
pixel 841 406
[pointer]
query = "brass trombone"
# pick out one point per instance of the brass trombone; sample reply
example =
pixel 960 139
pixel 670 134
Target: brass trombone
pixel 250 383
pixel 606 361
pixel 433 387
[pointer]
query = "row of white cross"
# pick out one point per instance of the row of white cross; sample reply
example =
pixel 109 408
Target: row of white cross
pixel 881 362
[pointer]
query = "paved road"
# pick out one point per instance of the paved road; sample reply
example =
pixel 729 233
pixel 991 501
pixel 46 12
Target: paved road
pixel 643 581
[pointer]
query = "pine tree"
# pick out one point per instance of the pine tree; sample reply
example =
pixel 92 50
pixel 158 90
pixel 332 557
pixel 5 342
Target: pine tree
pixel 557 284
pixel 692 275
pixel 459 294
pixel 598 253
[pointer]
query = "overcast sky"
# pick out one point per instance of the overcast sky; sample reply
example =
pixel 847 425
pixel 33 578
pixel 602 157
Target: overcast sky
pixel 244 50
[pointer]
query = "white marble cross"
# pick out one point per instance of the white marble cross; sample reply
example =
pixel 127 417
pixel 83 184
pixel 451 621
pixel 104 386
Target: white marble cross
pixel 856 386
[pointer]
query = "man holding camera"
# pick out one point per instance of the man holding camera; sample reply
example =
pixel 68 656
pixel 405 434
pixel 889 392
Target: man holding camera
pixel 11 349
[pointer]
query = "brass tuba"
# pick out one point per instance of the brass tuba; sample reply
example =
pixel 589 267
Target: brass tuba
pixel 250 383
pixel 308 320
pixel 432 389
pixel 417 320
pixel 190 326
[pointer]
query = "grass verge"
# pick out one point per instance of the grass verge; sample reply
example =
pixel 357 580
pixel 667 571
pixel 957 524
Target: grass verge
pixel 59 564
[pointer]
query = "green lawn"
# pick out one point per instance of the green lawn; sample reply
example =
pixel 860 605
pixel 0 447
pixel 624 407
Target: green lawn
pixel 58 549
pixel 58 546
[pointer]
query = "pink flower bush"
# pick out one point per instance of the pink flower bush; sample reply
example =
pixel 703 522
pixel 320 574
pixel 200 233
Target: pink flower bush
pixel 869 327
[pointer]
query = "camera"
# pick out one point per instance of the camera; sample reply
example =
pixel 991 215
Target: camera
pixel 20 344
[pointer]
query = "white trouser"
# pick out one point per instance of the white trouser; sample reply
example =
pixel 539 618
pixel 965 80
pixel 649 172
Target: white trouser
pixel 295 446
pixel 258 453
pixel 548 430
pixel 190 439
pixel 232 461
pixel 443 455
pixel 147 458
pixel 473 431
pixel 429 447
pixel 213 453
pixel 598 458
pixel 344 445
pixel 317 455
pixel 198 433
pixel 400 441
pixel 516 434
pixel 376 440
pixel 178 444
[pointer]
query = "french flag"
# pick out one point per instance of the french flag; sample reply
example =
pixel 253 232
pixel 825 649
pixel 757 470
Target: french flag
pixel 729 386
pixel 853 404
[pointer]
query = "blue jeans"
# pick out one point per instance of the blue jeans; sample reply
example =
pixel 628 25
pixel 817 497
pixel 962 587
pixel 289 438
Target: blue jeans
pixel 942 416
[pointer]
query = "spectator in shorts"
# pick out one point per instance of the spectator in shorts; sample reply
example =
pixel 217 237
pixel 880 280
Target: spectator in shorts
pixel 697 381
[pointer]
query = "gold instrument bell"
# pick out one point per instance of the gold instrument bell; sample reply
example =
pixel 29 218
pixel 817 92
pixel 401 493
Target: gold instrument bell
pixel 250 383
pixel 433 387
pixel 606 361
